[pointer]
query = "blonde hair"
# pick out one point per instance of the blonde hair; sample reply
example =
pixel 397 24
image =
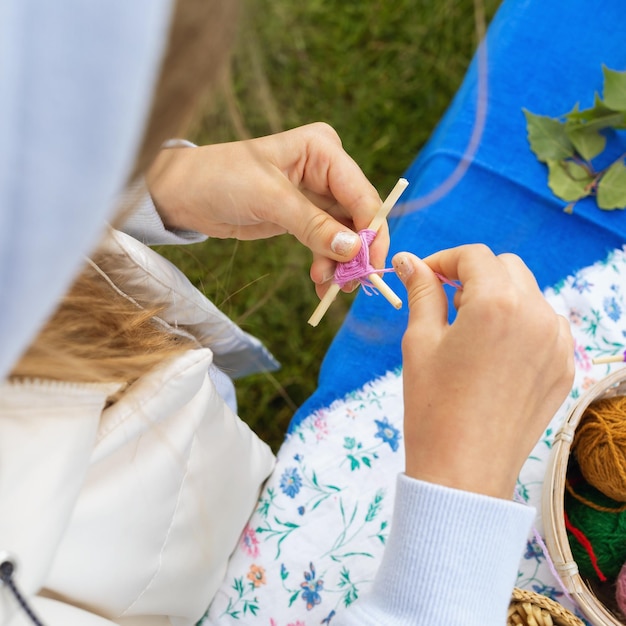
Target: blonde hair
pixel 96 334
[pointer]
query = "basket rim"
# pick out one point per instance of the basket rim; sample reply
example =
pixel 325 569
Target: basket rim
pixel 553 495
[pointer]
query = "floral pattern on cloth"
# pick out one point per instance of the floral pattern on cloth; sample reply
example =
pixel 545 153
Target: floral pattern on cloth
pixel 315 540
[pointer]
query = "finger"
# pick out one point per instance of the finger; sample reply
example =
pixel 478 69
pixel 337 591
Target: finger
pixel 379 248
pixel 474 265
pixel 323 271
pixel 519 272
pixel 319 231
pixel 330 171
pixel 428 305
pixel 321 290
pixel 461 262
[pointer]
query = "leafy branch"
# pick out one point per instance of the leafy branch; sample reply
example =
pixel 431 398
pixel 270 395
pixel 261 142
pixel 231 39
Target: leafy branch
pixel 568 145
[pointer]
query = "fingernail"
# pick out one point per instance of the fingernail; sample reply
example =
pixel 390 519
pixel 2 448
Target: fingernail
pixel 403 266
pixel 344 241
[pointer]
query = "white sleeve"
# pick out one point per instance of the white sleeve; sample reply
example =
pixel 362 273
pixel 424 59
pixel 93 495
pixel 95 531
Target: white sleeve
pixel 452 559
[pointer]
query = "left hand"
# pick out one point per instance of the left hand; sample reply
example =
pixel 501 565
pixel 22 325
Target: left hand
pixel 300 181
pixel 478 393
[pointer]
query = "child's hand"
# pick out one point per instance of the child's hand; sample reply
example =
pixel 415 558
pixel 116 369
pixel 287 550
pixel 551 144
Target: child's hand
pixel 300 181
pixel 480 392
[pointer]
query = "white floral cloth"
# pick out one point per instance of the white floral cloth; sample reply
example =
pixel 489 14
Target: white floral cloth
pixel 314 543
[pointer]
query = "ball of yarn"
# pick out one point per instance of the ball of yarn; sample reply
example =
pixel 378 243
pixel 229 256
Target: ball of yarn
pixel 600 446
pixel 620 590
pixel 605 531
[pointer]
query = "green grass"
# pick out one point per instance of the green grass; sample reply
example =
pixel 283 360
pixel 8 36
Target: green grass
pixel 382 74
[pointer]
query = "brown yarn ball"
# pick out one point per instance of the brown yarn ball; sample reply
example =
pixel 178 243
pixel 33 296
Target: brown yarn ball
pixel 600 446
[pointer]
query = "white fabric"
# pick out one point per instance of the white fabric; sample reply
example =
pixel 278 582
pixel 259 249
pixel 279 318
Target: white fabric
pixel 57 423
pixel 111 512
pixel 152 280
pixel 459 566
pixel 311 552
pixel 76 80
pixel 337 501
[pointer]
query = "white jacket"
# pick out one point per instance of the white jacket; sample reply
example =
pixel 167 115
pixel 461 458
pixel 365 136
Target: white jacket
pixel 128 515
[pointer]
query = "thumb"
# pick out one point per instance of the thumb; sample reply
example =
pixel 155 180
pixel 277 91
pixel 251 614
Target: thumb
pixel 428 304
pixel 321 233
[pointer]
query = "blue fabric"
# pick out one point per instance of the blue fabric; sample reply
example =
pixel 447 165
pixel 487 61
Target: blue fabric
pixel 544 56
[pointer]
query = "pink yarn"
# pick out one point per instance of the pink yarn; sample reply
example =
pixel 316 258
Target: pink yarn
pixel 359 268
pixel 447 281
pixel 620 590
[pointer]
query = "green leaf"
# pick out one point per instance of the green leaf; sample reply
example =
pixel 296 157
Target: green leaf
pixel 568 180
pixel 289 524
pixel 547 137
pixel 612 187
pixel 614 89
pixel 598 111
pixel 599 116
pixel 351 596
pixel 574 113
pixel 251 606
pixel 589 143
pixel 597 120
pixel 344 577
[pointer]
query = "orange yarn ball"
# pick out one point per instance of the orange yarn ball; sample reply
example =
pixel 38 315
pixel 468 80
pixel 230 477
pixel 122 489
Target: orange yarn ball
pixel 600 446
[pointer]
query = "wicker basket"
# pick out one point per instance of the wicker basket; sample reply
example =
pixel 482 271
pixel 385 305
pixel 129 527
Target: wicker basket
pixel 553 497
pixel 528 608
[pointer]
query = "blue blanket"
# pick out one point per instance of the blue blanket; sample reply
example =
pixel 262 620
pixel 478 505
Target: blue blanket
pixel 544 56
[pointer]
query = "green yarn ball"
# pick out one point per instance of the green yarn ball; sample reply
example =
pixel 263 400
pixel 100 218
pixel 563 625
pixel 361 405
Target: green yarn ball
pixel 605 531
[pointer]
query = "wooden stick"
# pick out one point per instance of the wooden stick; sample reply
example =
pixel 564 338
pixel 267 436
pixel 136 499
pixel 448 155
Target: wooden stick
pixel 375 224
pixel 616 358
pixel 385 290
pixel 388 204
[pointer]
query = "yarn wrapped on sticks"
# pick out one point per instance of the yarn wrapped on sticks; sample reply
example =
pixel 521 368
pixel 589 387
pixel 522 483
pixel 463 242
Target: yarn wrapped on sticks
pixel 600 446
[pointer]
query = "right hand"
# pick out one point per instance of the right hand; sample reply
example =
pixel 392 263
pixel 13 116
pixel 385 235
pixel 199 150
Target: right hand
pixel 478 393
pixel 300 181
